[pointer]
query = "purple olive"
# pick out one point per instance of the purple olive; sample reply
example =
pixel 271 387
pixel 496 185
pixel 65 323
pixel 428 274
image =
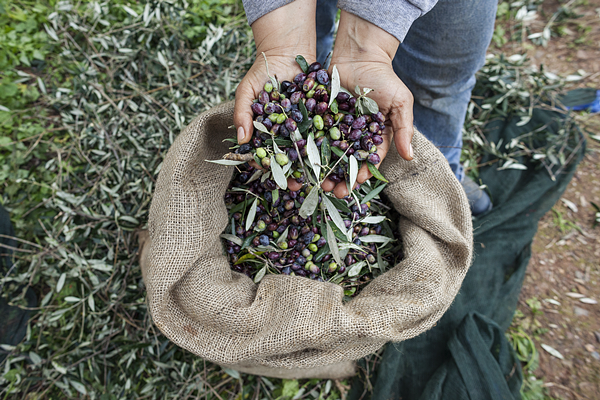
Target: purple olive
pixel 290 125
pixel 343 145
pixel 263 240
pixel 292 155
pixel 344 107
pixel 263 97
pixel 275 129
pixel 299 79
pixel 379 117
pixel 296 116
pixel 321 108
pixel 310 105
pixel 374 158
pixel 335 178
pixel 377 139
pixel 271 108
pixel 323 76
pixel 292 89
pixel 373 127
pixel 348 119
pixel 366 143
pixel 349 260
pixel 286 104
pixel 359 123
pixel 274 95
pixel 355 135
pixel 314 67
pixel 342 97
pixel 308 84
pixel 361 155
pixel 296 97
pixel 257 108
pixel 285 85
pixel 301 143
pixel 328 120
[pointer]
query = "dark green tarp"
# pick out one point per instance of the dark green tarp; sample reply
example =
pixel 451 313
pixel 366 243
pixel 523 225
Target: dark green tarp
pixel 466 355
pixel 14 319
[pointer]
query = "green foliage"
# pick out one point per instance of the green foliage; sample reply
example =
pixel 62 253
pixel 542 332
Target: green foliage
pixel 525 349
pixel 23 40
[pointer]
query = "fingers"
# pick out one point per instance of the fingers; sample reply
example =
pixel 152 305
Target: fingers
pixel 328 185
pixel 293 184
pixel 401 117
pixel 242 113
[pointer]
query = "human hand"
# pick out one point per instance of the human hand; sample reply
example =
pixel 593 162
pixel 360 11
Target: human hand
pixel 281 35
pixel 363 55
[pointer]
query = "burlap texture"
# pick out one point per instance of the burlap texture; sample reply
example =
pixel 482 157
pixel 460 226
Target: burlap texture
pixel 290 322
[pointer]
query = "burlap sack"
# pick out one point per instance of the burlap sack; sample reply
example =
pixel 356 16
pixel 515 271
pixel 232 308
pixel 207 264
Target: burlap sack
pixel 289 326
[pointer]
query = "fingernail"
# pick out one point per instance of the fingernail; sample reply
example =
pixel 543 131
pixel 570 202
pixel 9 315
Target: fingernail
pixel 410 150
pixel 240 134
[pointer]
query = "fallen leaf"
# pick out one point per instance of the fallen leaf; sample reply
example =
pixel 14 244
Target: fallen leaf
pixel 552 351
pixel 574 295
pixel 588 300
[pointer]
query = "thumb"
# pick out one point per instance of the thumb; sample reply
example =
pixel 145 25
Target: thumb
pixel 401 117
pixel 242 113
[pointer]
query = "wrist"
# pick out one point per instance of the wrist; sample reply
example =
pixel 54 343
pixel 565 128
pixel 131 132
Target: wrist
pixel 287 31
pixel 360 40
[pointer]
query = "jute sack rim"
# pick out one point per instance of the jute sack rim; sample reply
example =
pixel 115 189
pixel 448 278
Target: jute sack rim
pixel 288 321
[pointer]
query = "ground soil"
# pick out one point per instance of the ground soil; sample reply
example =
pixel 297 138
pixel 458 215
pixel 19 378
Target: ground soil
pixel 566 250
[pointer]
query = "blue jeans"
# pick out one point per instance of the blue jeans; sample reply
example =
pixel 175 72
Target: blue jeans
pixel 437 61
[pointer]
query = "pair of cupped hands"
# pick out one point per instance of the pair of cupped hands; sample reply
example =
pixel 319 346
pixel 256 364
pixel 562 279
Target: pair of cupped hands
pixel 363 54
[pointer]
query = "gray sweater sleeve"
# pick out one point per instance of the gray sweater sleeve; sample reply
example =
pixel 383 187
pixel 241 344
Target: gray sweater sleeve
pixel 393 16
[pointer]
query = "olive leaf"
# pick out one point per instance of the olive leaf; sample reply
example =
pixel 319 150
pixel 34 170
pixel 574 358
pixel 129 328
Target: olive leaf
pixel 355 268
pixel 61 282
pixel 373 193
pixel 276 148
pixel 370 105
pixel 373 219
pixel 283 237
pixel 373 169
pixel 232 238
pixel 226 162
pixel 325 151
pixel 257 174
pixel 334 214
pixel 313 156
pixel 357 90
pixel 335 84
pixel 278 174
pixel 306 123
pixel 333 245
pixel 260 274
pixel 275 194
pixel 310 203
pixel 251 214
pixel 260 126
pixel 302 63
pixel 353 172
pixel 296 135
pixel 375 239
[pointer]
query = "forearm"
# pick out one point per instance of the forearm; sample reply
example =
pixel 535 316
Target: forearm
pixel 287 30
pixel 358 39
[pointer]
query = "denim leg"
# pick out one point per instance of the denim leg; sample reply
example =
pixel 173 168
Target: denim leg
pixel 438 61
pixel 326 12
